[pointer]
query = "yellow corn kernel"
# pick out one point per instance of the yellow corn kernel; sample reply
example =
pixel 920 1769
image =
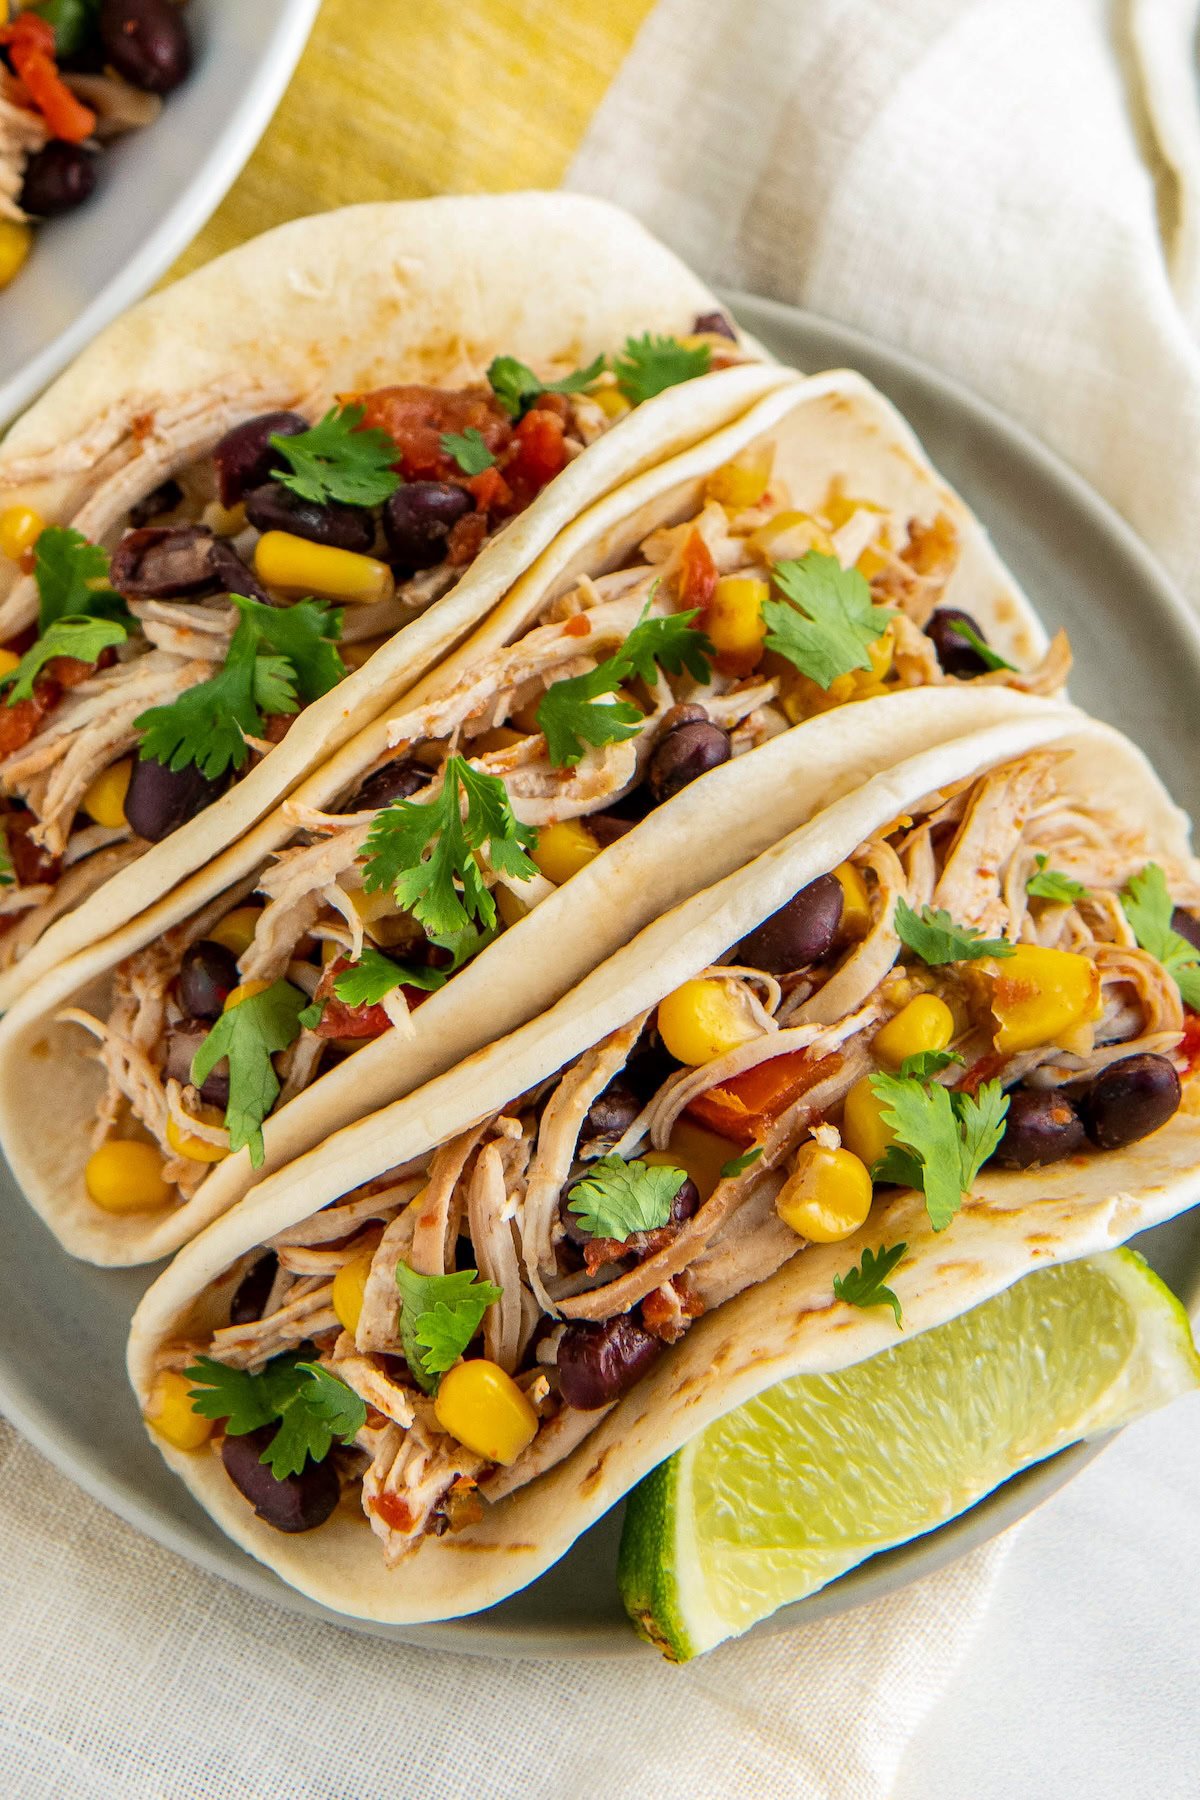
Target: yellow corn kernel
pixel 702 1020
pixel 349 1286
pixel 236 930
pixel 880 653
pixel 702 1153
pixel 511 908
pixel 840 508
pixel 856 902
pixel 611 401
pixel 483 1408
pixel 245 990
pixel 293 565
pixel 734 621
pixel 790 534
pixel 171 1414
pixel 225 521
pixel 373 906
pixel 926 1023
pixel 104 798
pixel 125 1176
pixel 872 562
pixel 743 482
pixel 20 529
pixel 827 1196
pixel 563 849
pixel 9 660
pixel 16 241
pixel 863 1129
pixel 198 1149
pixel 1038 994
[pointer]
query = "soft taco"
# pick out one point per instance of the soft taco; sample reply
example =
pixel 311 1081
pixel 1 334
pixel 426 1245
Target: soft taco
pixel 935 1038
pixel 270 497
pixel 581 759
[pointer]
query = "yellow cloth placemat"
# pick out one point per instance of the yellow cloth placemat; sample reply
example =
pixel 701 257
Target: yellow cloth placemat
pixel 394 99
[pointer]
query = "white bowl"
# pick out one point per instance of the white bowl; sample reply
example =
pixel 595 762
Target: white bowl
pixel 156 189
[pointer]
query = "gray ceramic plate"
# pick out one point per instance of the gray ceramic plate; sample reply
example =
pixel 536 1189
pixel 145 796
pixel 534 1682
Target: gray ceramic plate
pixel 62 1325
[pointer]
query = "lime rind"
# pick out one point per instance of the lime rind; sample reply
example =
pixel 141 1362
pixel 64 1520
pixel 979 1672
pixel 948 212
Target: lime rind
pixel 784 1494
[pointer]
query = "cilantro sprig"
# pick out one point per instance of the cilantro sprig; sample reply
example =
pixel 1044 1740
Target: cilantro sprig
pixel 335 460
pixel 468 449
pixel 439 1315
pixel 249 1034
pixel 1052 884
pixel 925 1063
pixel 516 386
pixel 374 976
pixel 826 623
pixel 616 1198
pixel 277 657
pixel 1148 907
pixel 72 577
pixel 864 1284
pixel 933 935
pixel 580 710
pixel 737 1165
pixel 943 1139
pixel 425 851
pixel 81 638
pixel 650 365
pixel 313 1407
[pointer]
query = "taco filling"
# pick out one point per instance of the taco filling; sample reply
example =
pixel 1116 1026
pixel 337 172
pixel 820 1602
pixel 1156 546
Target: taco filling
pixel 1001 977
pixel 731 627
pixel 170 654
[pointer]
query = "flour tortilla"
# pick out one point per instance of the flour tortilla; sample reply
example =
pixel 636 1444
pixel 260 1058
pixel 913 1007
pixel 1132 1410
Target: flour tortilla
pixel 828 426
pixel 786 1326
pixel 417 291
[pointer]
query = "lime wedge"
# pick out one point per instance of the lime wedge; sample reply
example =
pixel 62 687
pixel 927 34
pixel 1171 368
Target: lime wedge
pixel 789 1491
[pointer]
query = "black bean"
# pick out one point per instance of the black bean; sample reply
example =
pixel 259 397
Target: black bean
pixel 147 42
pixel 159 800
pixel 180 562
pixel 394 781
pixel 715 324
pixel 252 1291
pixel 685 1203
pixel 599 1363
pixel 956 654
pixel 1129 1100
pixel 295 1503
pixel 58 178
pixel 183 1041
pixel 800 933
pixel 1041 1126
pixel 684 754
pixel 272 507
pixel 613 1111
pixel 1187 925
pixel 208 975
pixel 165 498
pixel 418 519
pixel 246 456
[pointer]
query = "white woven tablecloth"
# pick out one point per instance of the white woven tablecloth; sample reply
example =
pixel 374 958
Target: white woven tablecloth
pixel 1007 188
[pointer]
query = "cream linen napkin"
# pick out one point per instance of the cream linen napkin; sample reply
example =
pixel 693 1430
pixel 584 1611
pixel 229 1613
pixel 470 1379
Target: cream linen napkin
pixel 1009 189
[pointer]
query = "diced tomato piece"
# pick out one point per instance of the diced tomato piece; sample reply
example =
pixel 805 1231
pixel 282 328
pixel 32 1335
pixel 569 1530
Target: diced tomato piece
pixel 30 43
pixel 19 721
pixel 986 1069
pixel 742 1107
pixel 417 417
pixel 492 493
pixel 698 581
pixel 31 864
pixel 538 454
pixel 1189 1049
pixel 394 1510
pixel 578 626
pixel 69 671
pixel 466 539
pixel 341 1021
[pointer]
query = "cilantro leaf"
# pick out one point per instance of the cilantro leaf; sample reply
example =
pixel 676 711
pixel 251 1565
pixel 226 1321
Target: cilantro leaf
pixel 737 1165
pixel 439 1315
pixel 249 1034
pixel 72 578
pixel 943 1139
pixel 1051 884
pixel 468 450
pixel 312 1405
pixel 7 872
pixel 234 1395
pixel 424 851
pixel 306 635
pixel 570 714
pixel 343 1410
pixel 374 976
pixel 983 651
pixel 334 460
pixel 649 365
pixel 863 1285
pixel 516 386
pixel 463 945
pixel 616 1198
pixel 826 623
pixel 81 638
pixel 73 22
pixel 312 1015
pixel 928 1062
pixel 1148 907
pixel 932 935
